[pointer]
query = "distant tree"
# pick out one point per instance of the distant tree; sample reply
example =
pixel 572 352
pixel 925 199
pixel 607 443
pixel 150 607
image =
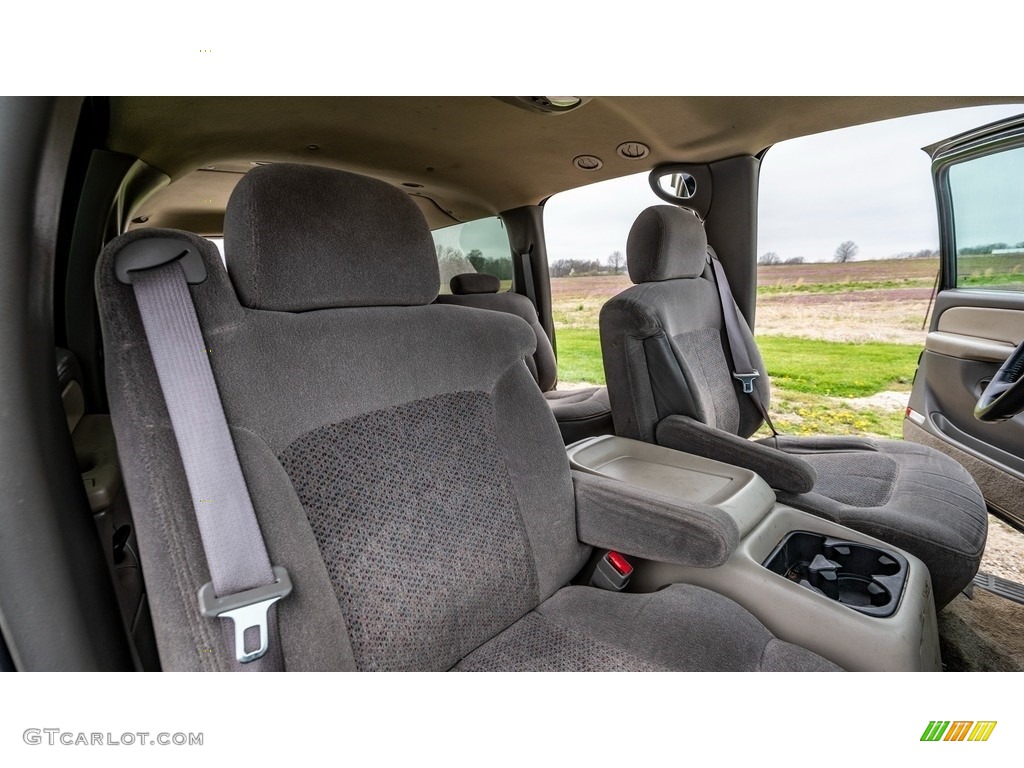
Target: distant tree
pixel 616 261
pixel 768 259
pixel 560 268
pixel 845 252
pixel 982 250
pixel 794 260
pixel 452 261
pixel 576 268
pixel 476 258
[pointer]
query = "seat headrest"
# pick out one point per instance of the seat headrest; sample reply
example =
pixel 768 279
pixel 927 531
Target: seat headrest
pixel 300 237
pixel 664 243
pixel 474 282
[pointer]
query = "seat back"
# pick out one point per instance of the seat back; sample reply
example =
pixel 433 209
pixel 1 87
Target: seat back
pixel 663 339
pixel 403 465
pixel 482 292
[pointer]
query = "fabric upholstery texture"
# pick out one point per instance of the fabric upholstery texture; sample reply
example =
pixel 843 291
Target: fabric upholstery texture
pixel 542 362
pixel 411 505
pixel 474 282
pixel 666 242
pixel 371 245
pixel 580 413
pixel 654 526
pixel 590 401
pixel 681 627
pixel 373 440
pixel 856 479
pixel 711 377
pixel 537 644
pixel 667 365
pixel 686 311
pixel 282 376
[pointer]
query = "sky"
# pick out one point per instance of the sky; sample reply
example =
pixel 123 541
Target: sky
pixel 870 184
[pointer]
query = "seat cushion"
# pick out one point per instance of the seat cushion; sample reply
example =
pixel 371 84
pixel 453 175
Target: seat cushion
pixel 681 628
pixel 908 495
pixel 581 413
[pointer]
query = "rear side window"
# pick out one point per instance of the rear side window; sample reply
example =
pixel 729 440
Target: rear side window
pixel 474 246
pixel 988 208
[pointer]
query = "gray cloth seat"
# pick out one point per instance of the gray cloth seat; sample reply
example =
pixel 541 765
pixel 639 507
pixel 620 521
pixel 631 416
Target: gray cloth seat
pixel 581 412
pixel 402 463
pixel 670 381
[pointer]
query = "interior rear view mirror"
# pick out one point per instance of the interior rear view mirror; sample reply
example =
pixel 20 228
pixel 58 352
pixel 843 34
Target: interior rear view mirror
pixel 673 186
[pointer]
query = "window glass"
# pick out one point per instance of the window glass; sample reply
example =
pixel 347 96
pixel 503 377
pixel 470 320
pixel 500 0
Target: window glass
pixel 988 213
pixel 586 231
pixel 474 246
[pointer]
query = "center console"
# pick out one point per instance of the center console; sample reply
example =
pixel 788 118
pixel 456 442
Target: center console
pixel 853 599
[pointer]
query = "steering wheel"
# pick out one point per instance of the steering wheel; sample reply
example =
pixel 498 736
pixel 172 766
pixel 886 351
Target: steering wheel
pixel 1003 398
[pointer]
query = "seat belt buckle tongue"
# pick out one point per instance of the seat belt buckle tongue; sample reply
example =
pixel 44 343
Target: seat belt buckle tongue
pixel 748 380
pixel 247 609
pixel 612 572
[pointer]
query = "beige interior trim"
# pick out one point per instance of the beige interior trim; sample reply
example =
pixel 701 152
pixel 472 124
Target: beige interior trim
pixel 968 347
pixel 737 491
pixel 907 641
pixel 474 156
pixel 1004 325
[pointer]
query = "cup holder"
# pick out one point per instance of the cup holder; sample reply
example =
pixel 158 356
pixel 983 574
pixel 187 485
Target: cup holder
pixel 865 578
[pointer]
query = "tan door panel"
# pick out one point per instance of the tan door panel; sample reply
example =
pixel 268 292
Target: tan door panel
pixel 1005 325
pixel 968 347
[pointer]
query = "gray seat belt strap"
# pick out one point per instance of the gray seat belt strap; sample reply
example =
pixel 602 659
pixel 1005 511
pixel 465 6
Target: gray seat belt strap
pixel 243 583
pixel 742 369
pixel 526 261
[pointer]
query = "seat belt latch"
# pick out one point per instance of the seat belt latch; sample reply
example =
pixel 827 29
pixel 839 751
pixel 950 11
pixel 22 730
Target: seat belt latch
pixel 612 572
pixel 246 609
pixel 748 380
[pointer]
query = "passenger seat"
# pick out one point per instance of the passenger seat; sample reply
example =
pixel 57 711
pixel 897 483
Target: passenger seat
pixel 668 366
pixel 580 413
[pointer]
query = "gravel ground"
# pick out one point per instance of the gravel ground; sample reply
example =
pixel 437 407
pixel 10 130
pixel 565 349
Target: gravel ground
pixel 1004 552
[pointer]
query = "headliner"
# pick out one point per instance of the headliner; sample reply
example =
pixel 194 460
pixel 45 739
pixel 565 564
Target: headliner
pixel 473 156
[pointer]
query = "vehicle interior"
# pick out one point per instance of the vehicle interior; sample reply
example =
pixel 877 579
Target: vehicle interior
pixel 255 421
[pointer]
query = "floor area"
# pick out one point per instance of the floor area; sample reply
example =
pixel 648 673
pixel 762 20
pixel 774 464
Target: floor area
pixel 985 632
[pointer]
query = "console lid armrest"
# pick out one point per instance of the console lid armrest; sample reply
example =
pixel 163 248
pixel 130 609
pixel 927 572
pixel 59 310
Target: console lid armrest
pixel 655 526
pixel 779 469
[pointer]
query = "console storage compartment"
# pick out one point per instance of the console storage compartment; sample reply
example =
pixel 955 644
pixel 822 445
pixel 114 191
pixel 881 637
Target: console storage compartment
pixel 851 598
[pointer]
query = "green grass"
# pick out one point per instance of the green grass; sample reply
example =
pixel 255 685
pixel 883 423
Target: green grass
pixel 799 413
pixel 579 355
pixel 768 288
pixel 838 369
pixel 999 282
pixel 808 378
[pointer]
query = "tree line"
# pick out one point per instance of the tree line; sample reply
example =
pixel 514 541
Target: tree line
pixel 984 250
pixel 452 261
pixel 847 250
pixel 614 264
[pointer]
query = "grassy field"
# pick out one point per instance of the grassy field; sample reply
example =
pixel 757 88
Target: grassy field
pixel 840 341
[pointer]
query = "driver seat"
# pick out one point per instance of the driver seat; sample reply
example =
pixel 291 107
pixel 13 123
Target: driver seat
pixel 403 465
pixel 670 382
